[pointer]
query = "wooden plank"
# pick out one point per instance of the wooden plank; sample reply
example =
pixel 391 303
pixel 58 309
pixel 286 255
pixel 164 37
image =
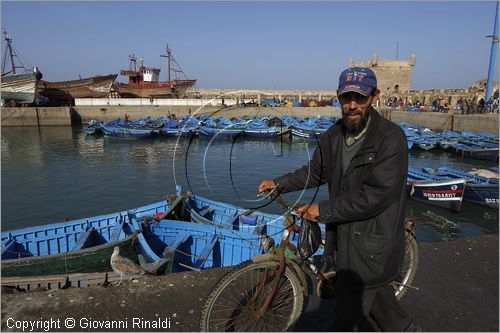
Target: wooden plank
pixel 51 282
pixel 83 239
pixel 206 252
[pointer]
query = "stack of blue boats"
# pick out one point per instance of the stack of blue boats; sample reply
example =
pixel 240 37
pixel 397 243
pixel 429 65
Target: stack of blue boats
pixel 204 234
pixel 482 145
pixel 468 144
pixel 213 127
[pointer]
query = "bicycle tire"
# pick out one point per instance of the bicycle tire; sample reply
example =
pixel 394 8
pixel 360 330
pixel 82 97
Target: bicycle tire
pixel 231 304
pixel 409 268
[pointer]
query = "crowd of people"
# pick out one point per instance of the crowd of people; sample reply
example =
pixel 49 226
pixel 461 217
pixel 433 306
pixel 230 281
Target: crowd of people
pixel 478 105
pixel 464 105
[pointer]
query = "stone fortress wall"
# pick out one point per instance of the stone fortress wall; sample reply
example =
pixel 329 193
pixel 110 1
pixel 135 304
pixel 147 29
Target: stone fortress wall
pixel 394 81
pixel 393 76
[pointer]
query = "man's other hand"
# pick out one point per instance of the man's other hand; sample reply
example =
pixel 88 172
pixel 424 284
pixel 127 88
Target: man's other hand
pixel 309 212
pixel 266 184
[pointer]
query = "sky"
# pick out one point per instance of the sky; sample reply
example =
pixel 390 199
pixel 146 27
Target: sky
pixel 255 45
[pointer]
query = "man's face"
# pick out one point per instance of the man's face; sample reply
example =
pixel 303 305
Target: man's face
pixel 354 110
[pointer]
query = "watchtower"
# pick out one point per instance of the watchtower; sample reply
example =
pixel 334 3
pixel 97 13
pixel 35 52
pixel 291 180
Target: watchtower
pixel 393 76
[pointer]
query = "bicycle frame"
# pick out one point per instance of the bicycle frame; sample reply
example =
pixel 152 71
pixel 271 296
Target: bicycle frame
pixel 269 291
pixel 290 228
pixel 325 279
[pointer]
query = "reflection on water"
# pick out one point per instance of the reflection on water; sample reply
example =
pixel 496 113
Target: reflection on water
pixel 442 227
pixel 437 224
pixel 53 173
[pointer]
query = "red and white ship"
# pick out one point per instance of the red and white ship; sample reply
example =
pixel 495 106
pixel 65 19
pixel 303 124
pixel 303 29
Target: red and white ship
pixel 144 81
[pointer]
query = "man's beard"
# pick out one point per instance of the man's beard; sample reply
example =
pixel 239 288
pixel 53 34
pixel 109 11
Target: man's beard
pixel 353 128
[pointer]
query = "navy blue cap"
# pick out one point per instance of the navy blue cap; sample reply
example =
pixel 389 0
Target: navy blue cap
pixel 358 79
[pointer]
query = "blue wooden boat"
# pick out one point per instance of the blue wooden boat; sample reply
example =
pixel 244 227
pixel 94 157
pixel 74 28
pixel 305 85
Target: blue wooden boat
pixel 266 128
pixel 127 133
pixel 479 190
pixel 77 246
pixel 185 128
pixel 221 128
pixel 421 142
pixel 306 132
pixel 434 190
pixel 476 151
pixel 94 127
pixel 312 128
pixel 418 140
pixel 220 133
pixel 489 137
pixel 230 217
pixel 192 246
pixel 452 136
pixel 436 137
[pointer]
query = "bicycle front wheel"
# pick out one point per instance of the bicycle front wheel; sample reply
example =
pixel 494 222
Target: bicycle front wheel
pixel 409 268
pixel 234 303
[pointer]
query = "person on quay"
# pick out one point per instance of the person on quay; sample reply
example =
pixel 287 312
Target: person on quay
pixel 364 159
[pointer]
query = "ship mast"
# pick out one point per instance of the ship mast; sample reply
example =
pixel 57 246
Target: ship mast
pixel 168 55
pixel 12 54
pixel 173 66
pixel 132 60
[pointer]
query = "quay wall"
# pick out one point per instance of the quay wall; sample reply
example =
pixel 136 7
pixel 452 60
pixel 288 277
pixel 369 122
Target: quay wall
pixel 36 116
pixel 49 116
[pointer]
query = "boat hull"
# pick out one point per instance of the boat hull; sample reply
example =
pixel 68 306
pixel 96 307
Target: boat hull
pixel 486 195
pixel 76 246
pixel 229 217
pixel 445 194
pixel 306 133
pixel 266 133
pixel 478 189
pixel 19 88
pixel 178 132
pixel 220 133
pixel 171 89
pixel 126 133
pixel 195 246
pixel 488 154
pixel 93 259
pixel 92 87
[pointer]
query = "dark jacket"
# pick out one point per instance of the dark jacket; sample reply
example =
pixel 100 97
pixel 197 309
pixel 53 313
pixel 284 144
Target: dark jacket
pixel 365 214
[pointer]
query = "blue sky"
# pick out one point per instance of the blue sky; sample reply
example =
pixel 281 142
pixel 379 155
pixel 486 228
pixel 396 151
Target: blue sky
pixel 255 45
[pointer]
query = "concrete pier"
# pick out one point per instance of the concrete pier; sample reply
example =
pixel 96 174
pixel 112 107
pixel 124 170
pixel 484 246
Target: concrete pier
pixel 44 116
pixel 457 281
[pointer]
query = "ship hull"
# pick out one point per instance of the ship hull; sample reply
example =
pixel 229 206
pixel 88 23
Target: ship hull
pixel 172 89
pixel 92 87
pixel 19 88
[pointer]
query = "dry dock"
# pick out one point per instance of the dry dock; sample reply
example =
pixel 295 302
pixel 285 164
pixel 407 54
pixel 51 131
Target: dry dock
pixel 457 280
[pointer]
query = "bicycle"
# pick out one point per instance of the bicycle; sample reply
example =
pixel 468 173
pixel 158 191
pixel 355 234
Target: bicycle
pixel 267 292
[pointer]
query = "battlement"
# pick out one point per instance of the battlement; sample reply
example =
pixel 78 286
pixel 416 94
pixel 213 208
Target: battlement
pixel 393 76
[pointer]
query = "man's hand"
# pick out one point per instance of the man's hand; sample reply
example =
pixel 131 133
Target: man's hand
pixel 266 184
pixel 309 212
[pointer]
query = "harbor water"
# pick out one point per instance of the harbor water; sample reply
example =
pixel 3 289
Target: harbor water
pixel 50 174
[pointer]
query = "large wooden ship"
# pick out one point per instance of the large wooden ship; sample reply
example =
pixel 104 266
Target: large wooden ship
pixel 17 88
pixel 91 87
pixel 145 81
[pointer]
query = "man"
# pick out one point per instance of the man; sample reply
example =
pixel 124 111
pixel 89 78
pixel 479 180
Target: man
pixel 364 159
